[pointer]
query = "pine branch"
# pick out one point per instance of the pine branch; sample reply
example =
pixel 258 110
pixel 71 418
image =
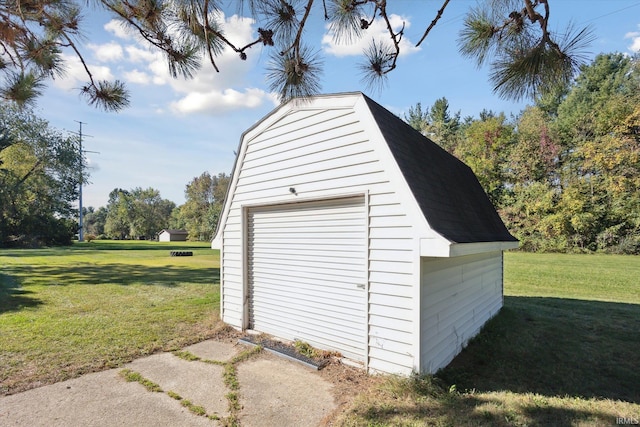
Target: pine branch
pixel 434 22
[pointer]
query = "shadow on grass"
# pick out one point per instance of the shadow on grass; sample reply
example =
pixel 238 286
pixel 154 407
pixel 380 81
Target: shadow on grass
pixel 120 274
pixel 13 297
pixel 468 409
pixel 554 347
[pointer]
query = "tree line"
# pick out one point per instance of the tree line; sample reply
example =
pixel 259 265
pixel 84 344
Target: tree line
pixel 142 213
pixel 39 171
pixel 565 173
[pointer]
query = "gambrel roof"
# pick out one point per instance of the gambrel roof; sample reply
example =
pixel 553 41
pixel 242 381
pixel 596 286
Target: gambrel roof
pixel 447 191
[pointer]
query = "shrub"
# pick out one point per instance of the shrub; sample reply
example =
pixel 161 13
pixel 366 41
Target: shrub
pixel 629 245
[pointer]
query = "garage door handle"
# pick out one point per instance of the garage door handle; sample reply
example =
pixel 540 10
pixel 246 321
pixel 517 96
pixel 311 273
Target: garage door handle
pixel 360 286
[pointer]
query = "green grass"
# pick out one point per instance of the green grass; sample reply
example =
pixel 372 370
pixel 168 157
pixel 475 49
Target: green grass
pixel 584 277
pixel 91 306
pixel 563 351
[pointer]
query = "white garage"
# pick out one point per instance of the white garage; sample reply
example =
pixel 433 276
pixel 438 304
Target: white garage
pixel 345 228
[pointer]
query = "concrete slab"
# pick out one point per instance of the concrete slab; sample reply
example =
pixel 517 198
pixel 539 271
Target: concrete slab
pixel 199 382
pixel 102 399
pixel 215 350
pixel 276 392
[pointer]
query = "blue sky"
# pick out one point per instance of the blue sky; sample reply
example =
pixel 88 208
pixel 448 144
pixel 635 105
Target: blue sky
pixel 174 130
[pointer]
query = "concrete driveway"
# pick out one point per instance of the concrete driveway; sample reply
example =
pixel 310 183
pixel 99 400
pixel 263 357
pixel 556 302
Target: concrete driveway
pixel 262 390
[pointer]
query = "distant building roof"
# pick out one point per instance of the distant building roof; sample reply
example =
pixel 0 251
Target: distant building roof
pixel 170 231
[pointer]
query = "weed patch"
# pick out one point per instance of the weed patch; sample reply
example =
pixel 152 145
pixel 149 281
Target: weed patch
pixel 185 355
pixel 132 376
pixel 229 377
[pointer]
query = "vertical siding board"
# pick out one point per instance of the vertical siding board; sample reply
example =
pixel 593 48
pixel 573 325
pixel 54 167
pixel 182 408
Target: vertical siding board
pixel 453 314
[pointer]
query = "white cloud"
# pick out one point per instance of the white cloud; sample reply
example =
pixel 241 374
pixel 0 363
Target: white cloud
pixel 210 91
pixel 137 54
pixel 635 41
pixel 137 77
pixel 76 75
pixel 376 31
pixel 217 101
pixel 107 52
pixel 118 29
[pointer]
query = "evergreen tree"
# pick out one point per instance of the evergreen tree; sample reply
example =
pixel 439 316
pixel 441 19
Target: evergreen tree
pixel 512 36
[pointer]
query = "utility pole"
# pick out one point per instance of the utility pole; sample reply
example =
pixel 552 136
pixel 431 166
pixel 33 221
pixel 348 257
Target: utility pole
pixel 80 219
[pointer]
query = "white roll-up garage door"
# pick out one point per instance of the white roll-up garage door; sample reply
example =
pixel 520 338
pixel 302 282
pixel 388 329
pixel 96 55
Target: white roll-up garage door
pixel 307 271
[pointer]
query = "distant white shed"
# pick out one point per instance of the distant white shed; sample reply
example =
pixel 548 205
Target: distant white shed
pixel 346 228
pixel 167 235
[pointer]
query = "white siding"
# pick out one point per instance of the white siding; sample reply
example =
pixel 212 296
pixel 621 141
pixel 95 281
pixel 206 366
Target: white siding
pixel 327 153
pixel 458 295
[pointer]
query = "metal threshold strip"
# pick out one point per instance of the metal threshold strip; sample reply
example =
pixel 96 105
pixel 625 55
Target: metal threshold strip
pixel 283 350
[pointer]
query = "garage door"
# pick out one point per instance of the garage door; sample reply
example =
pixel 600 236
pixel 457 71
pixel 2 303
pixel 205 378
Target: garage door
pixel 307 273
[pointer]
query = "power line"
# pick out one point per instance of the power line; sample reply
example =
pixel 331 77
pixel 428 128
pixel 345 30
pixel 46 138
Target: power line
pixel 612 13
pixel 80 180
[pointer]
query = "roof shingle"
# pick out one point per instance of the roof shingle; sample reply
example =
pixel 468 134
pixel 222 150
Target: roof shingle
pixel 452 200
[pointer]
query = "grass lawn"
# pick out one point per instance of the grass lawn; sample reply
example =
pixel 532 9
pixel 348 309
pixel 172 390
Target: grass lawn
pixel 564 351
pixel 91 306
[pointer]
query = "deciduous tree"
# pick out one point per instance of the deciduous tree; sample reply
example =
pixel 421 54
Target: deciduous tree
pixel 39 173
pixel 137 213
pixel 204 198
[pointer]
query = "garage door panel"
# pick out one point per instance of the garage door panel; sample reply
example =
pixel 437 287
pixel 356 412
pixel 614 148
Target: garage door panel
pixel 307 273
pixel 324 263
pixel 327 242
pixel 316 313
pixel 293 251
pixel 339 270
pixel 318 290
pixel 320 331
pixel 302 210
pixel 333 287
pixel 323 222
pixel 280 298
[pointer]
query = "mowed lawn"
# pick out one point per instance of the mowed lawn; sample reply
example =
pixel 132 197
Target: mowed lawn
pixel 92 306
pixel 564 351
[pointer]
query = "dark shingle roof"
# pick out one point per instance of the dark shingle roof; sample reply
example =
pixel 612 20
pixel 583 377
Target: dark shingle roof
pixel 447 191
pixel 172 231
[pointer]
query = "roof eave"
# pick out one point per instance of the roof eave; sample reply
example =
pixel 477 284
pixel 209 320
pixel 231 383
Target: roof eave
pixel 216 242
pixel 444 249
